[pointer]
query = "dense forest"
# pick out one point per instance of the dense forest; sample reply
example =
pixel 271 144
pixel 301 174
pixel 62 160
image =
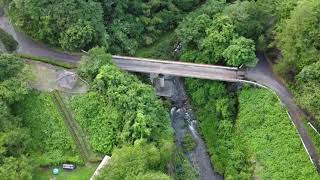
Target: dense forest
pixel 121 25
pixel 122 116
pixel 299 42
pixel 15 138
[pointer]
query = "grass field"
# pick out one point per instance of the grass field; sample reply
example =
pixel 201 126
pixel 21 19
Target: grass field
pixel 271 138
pixel 80 173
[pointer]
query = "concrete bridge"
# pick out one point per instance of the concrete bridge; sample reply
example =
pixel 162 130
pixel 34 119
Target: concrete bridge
pixel 181 69
pixel 261 75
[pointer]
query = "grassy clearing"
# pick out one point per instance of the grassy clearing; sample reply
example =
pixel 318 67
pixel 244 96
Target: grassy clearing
pixel 271 138
pixel 81 173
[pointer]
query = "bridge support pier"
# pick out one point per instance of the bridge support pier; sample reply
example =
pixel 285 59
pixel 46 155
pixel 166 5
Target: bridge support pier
pixel 163 84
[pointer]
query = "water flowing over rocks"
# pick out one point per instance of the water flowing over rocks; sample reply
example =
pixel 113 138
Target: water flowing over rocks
pixel 183 121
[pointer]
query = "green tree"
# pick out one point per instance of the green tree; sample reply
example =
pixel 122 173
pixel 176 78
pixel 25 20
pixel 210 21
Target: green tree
pixel 14 138
pixel 299 37
pixel 134 162
pixel 71 25
pixel 240 51
pixel 13 78
pixel 16 168
pixel 219 36
pixel 118 100
pixel 91 64
pixel 308 89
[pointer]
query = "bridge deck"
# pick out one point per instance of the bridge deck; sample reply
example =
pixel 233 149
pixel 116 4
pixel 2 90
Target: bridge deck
pixel 177 68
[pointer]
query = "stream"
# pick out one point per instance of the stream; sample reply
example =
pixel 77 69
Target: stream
pixel 183 120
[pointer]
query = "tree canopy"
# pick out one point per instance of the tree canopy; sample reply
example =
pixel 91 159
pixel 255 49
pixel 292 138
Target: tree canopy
pixel 72 25
pixel 121 25
pixel 14 138
pixel 212 36
pixel 299 40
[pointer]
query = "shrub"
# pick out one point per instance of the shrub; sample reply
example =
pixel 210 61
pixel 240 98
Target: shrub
pixel 188 143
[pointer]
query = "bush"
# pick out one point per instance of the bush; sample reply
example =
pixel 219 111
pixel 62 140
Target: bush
pixel 140 161
pixel 8 41
pixel 188 143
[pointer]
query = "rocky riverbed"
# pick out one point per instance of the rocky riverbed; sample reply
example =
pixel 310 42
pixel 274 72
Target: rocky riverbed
pixel 183 122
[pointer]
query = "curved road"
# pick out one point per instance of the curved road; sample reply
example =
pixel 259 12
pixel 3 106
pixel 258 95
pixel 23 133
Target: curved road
pixel 261 74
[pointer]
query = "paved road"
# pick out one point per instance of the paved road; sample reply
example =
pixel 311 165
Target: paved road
pixel 262 74
pixel 28 46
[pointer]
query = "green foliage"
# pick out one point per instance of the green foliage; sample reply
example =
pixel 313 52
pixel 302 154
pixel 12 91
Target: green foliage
pixel 131 24
pixel 13 78
pixel 51 142
pixel 211 36
pixel 90 65
pixel 186 5
pixel 119 24
pixel 266 129
pixel 16 168
pixel 118 100
pixel 123 116
pixel 252 144
pixel 14 139
pixel 10 66
pixel 68 24
pixel 181 167
pixel 8 41
pixel 99 118
pixel 241 51
pixel 299 40
pixel 308 89
pixel 250 18
pixel 162 49
pixel 299 36
pixel 214 109
pixel 140 161
pixel 80 173
pixel 188 143
pixel 14 142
